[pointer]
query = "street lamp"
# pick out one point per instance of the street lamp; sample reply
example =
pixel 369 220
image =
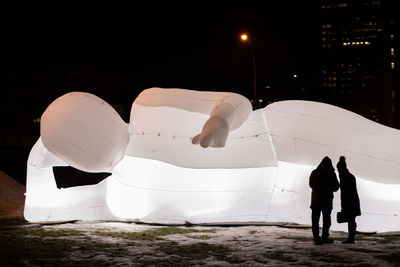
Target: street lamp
pixel 245 38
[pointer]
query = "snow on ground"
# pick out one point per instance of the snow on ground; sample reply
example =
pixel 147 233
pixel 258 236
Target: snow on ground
pixel 242 245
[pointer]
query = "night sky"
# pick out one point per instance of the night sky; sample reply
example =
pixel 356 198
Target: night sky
pixel 185 44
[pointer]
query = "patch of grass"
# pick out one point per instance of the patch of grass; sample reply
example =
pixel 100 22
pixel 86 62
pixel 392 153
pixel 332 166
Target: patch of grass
pixel 297 238
pixel 392 247
pixel 153 234
pixel 56 232
pixel 391 258
pixel 339 232
pixel 40 232
pixel 201 237
pixel 279 255
pixel 38 246
pixel 392 238
pixel 195 251
pixel 370 238
pixel 15 246
pixel 12 222
pixel 363 250
pixel 169 261
pixel 328 258
pixel 234 259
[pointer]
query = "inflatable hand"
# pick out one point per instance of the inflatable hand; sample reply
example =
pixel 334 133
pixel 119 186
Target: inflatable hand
pixel 214 133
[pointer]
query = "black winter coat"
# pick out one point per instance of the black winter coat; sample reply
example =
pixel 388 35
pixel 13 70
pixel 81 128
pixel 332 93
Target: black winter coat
pixel 348 194
pixel 323 182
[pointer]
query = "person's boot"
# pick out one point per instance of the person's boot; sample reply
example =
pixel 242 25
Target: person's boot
pixel 349 240
pixel 317 241
pixel 325 236
pixel 317 238
pixel 352 234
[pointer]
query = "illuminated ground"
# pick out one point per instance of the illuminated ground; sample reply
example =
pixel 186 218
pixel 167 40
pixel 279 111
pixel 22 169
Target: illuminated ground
pixel 128 244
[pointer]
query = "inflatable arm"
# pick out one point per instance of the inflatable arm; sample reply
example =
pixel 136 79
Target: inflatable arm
pixel 228 111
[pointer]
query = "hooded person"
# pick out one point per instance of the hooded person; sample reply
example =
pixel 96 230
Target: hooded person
pixel 349 198
pixel 324 183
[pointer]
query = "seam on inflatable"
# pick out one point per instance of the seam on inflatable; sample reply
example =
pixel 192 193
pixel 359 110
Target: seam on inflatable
pixel 347 125
pixel 189 191
pixel 344 150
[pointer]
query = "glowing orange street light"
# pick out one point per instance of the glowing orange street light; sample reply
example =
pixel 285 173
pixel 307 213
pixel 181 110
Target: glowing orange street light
pixel 245 38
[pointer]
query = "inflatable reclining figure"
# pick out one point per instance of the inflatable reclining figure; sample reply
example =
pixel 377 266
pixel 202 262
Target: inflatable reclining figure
pixel 205 157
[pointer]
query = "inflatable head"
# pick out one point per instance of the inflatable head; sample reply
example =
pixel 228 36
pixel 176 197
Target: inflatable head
pixel 85 132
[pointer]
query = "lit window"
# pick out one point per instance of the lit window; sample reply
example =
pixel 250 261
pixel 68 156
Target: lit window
pixel 392 37
pixel 323 39
pixel 392 51
pixel 392 65
pixel 328 25
pixel 334 78
pixel 324 71
pixel 344 44
pixel 260 100
pixel 342 5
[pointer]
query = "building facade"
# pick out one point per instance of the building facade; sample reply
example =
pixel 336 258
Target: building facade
pixel 359 57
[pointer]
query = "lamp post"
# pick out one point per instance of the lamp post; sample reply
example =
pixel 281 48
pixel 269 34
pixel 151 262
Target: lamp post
pixel 245 38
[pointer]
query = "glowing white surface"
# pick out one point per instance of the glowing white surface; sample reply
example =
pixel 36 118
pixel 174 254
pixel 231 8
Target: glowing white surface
pixel 260 175
pixel 213 194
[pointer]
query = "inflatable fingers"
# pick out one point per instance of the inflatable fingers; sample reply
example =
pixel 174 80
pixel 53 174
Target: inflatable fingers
pixel 214 133
pixel 196 139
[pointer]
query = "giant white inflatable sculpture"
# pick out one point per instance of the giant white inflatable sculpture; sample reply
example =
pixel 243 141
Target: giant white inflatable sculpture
pixel 206 157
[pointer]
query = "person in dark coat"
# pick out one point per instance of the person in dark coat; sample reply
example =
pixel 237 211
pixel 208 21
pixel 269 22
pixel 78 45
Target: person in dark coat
pixel 349 198
pixel 323 182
